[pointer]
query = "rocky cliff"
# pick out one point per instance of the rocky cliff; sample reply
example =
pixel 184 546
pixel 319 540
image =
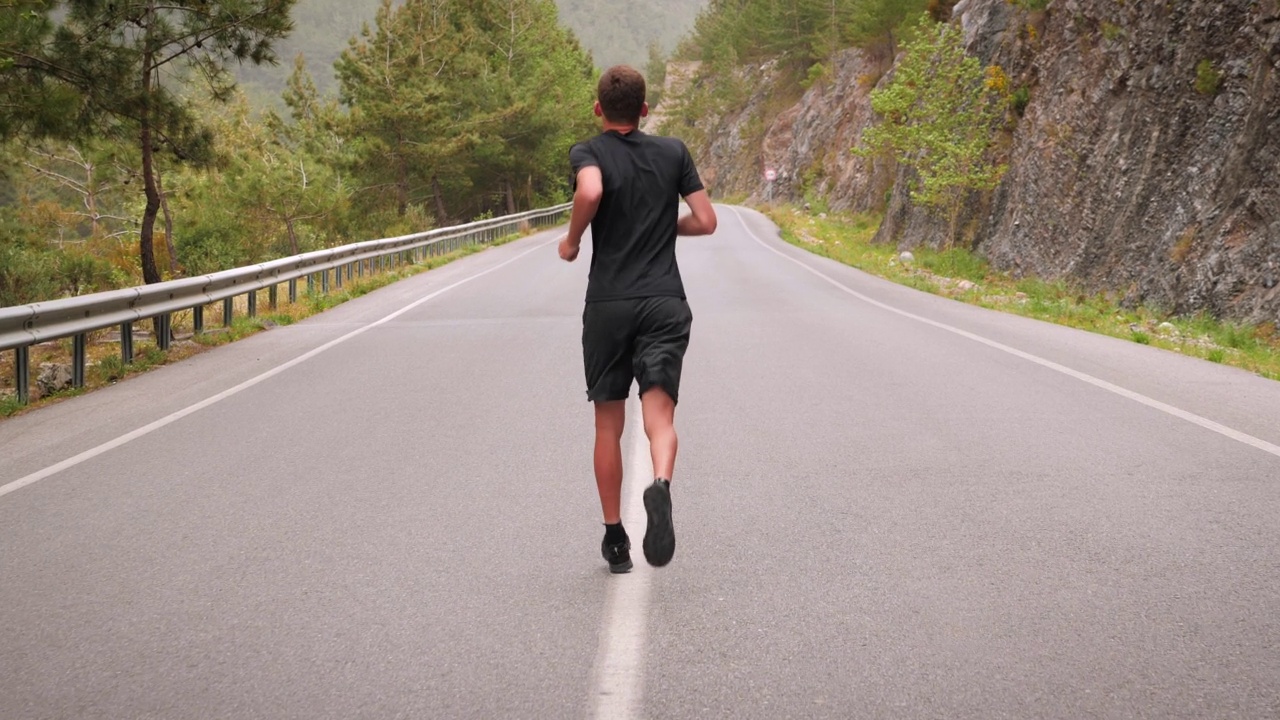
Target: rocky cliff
pixel 1147 160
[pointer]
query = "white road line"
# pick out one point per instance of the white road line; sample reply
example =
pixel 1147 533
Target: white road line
pixel 620 658
pixel 178 415
pixel 1190 417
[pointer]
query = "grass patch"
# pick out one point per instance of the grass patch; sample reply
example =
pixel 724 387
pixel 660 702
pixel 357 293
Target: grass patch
pixel 1208 78
pixel 9 405
pixel 960 274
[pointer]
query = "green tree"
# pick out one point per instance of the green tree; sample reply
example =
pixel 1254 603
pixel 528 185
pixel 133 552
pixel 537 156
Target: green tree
pixel 466 106
pixel 123 59
pixel 872 21
pixel 534 100
pixel 404 81
pixel 655 74
pixel 36 97
pixel 939 116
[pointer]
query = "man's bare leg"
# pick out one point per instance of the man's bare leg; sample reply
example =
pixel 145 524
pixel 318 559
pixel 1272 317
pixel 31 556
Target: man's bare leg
pixel 659 425
pixel 610 419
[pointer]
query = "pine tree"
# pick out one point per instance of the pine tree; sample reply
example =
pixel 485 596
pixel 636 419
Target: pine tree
pixel 120 61
pixel 404 81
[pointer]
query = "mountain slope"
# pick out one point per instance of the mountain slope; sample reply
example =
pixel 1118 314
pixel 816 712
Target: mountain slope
pixel 323 27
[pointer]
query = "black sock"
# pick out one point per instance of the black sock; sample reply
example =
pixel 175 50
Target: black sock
pixel 614 533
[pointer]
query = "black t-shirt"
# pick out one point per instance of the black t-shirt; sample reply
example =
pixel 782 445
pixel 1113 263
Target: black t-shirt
pixel 633 235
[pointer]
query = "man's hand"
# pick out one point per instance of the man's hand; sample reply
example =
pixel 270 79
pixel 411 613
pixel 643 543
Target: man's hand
pixel 569 250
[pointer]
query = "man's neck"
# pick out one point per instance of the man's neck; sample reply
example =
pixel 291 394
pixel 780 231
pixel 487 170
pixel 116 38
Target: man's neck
pixel 623 128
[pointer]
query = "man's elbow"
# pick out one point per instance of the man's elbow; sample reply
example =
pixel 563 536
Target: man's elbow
pixel 704 223
pixel 588 196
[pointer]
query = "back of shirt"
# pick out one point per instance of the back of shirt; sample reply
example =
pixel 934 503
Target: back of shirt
pixel 633 235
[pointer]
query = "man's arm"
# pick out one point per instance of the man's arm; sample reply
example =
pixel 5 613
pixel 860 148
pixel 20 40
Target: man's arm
pixel 702 218
pixel 586 199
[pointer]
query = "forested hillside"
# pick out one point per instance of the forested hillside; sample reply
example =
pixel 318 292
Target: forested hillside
pixel 622 32
pixel 612 32
pixel 127 155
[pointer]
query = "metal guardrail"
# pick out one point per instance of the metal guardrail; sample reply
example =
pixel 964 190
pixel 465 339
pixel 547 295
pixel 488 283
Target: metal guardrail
pixel 22 326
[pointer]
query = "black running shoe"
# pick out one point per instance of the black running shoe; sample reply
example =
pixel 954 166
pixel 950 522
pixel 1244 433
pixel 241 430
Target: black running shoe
pixel 660 537
pixel 618 555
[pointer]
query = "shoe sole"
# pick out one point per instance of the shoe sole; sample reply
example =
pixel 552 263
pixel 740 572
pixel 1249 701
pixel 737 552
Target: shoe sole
pixel 621 567
pixel 660 536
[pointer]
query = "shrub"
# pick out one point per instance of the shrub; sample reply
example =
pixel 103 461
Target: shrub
pixel 1019 100
pixel 1208 79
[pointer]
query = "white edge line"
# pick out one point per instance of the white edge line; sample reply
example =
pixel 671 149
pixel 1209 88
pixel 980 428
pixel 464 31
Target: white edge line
pixel 1190 417
pixel 178 415
pixel 616 689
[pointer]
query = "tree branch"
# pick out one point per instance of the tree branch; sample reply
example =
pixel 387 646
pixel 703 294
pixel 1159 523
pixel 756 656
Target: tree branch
pixel 200 40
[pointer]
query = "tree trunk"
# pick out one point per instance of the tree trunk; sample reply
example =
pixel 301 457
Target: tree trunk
pixel 91 200
pixel 147 236
pixel 293 236
pixel 441 215
pixel 168 225
pixel 149 272
pixel 511 197
pixel 402 185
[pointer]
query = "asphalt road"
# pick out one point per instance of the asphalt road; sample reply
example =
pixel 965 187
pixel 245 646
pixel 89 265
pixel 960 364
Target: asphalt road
pixel 888 505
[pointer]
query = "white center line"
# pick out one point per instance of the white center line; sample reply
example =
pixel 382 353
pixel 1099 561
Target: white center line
pixel 178 415
pixel 619 661
pixel 1190 417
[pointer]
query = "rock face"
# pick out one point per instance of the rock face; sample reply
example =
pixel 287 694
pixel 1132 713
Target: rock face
pixel 807 145
pixel 1124 174
pixel 1147 161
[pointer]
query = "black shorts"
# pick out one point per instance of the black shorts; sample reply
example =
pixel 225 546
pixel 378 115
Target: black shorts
pixel 642 339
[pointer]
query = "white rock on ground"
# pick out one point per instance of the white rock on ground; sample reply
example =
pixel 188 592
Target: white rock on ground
pixel 53 377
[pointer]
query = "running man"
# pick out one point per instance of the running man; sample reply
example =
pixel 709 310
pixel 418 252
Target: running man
pixel 636 322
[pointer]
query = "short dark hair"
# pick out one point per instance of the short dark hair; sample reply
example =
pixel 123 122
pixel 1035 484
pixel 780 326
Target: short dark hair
pixel 621 94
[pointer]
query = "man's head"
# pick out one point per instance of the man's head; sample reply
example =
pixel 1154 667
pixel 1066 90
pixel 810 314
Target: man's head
pixel 620 96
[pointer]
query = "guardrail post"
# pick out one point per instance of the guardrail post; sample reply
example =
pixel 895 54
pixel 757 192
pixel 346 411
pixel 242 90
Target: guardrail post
pixel 163 333
pixel 293 291
pixel 78 359
pixel 311 283
pixel 197 319
pixel 22 373
pixel 360 268
pixel 253 303
pixel 337 277
pixel 126 342
pixel 228 308
pixel 324 282
pixel 272 294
